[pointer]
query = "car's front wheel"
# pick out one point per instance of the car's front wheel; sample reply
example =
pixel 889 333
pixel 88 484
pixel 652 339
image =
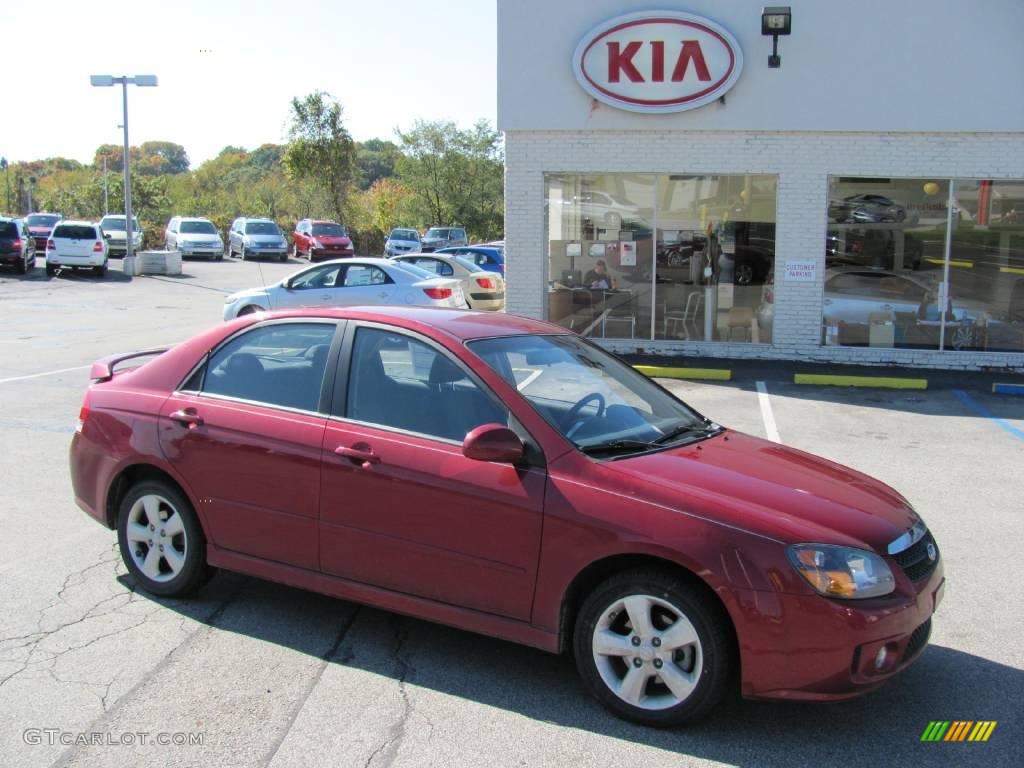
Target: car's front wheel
pixel 162 543
pixel 653 649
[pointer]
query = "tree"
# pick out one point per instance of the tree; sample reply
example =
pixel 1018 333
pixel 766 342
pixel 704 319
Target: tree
pixel 387 199
pixel 164 157
pixel 375 159
pixel 320 149
pixel 456 176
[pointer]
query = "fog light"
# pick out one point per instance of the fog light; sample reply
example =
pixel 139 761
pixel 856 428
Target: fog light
pixel 881 658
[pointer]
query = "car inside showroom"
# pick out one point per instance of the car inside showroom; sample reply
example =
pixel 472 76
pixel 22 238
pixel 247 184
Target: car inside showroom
pixel 820 182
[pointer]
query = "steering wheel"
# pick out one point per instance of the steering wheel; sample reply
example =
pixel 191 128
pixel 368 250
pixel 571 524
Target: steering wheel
pixel 572 421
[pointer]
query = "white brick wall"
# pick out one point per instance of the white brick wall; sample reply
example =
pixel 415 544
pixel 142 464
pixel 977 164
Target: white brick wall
pixel 803 161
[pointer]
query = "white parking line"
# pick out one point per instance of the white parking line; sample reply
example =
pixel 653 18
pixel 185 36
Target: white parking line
pixel 45 373
pixel 770 429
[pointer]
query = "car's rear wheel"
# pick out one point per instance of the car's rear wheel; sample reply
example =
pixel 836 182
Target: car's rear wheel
pixel 50 270
pixel 162 543
pixel 100 271
pixel 22 266
pixel 653 649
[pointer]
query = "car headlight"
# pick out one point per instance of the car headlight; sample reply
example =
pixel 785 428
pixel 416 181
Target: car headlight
pixel 843 572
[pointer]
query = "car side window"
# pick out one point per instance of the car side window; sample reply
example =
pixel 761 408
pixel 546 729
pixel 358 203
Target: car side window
pixel 435 266
pixel 322 277
pixel 362 274
pixel 398 382
pixel 278 365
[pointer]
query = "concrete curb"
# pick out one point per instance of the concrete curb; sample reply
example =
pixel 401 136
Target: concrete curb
pixel 883 382
pixel 662 372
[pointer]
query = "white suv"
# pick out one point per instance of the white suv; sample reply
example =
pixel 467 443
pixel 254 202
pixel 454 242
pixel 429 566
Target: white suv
pixel 194 237
pixel 76 245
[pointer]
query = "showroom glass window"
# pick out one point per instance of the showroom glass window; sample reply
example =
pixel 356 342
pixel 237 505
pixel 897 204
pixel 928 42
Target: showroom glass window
pixel 886 263
pixel 649 256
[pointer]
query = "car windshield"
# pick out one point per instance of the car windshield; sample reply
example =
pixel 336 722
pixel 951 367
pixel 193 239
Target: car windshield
pixel 418 272
pixel 197 228
pixel 118 224
pixel 331 230
pixel 404 234
pixel 42 220
pixel 589 396
pixel 437 233
pixel 261 228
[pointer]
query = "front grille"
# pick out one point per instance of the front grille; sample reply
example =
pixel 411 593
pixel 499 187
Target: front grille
pixel 918 640
pixel 915 561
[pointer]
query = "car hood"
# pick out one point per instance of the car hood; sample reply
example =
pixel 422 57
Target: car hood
pixel 773 490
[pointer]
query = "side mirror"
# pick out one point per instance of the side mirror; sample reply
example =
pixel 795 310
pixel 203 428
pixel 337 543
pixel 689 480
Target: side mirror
pixel 493 442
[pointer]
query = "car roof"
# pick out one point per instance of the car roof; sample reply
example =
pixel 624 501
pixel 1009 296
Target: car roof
pixel 191 218
pixel 458 324
pixel 77 223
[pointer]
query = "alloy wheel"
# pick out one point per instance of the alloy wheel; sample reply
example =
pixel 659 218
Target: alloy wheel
pixel 647 652
pixel 156 537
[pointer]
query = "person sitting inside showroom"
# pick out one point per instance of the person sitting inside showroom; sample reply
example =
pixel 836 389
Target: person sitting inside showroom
pixel 598 278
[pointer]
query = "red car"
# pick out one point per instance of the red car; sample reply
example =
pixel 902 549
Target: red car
pixel 40 225
pixel 318 240
pixel 501 475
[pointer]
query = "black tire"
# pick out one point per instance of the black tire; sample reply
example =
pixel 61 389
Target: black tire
pixel 194 571
pixel 22 267
pixel 100 271
pixel 249 310
pixel 51 271
pixel 284 256
pixel 711 659
pixel 245 256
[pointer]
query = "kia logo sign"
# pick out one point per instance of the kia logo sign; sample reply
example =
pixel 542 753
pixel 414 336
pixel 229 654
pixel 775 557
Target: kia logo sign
pixel 657 61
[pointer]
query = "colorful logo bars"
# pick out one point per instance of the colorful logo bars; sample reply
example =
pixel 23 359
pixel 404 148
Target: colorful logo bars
pixel 959 730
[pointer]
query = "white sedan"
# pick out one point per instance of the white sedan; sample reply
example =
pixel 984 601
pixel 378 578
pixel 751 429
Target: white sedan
pixel 350 282
pixel 483 289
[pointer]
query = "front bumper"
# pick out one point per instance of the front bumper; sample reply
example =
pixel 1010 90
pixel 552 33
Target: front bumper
pixel 318 254
pixel 810 648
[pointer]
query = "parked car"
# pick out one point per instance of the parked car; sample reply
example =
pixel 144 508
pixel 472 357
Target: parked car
pixel 871 248
pixel 483 289
pixel 194 236
pixel 852 296
pixel 604 211
pixel 402 240
pixel 40 225
pixel 115 232
pixel 871 209
pixel 250 238
pixel 349 282
pixel 317 240
pixel 443 237
pixel 77 245
pixel 485 257
pixel 17 247
pixel 505 476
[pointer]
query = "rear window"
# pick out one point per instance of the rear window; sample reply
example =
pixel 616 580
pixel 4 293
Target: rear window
pixel 7 229
pixel 75 231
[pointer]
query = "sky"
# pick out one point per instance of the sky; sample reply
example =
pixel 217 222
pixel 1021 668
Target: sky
pixel 228 70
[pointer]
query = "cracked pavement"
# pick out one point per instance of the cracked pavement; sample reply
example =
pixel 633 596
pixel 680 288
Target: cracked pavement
pixel 274 676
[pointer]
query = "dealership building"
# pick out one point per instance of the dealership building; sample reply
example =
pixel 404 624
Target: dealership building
pixel 833 181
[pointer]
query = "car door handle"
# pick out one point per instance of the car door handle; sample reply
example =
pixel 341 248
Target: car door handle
pixel 188 417
pixel 827 301
pixel 364 456
pixel 887 306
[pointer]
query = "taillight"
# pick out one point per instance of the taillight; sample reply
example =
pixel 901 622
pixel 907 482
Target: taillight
pixel 438 293
pixel 83 412
pixel 17 244
pixel 97 247
pixel 51 246
pixel 485 282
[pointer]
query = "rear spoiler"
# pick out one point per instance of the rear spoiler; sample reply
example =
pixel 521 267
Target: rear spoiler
pixel 103 369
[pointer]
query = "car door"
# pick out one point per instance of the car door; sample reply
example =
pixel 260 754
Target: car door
pixel 401 507
pixel 301 241
pixel 246 432
pixel 313 287
pixel 362 284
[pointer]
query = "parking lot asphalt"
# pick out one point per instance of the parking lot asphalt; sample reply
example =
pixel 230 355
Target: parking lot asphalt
pixel 272 676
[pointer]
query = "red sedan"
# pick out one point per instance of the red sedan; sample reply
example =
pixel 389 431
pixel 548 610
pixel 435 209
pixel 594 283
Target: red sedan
pixel 504 476
pixel 318 240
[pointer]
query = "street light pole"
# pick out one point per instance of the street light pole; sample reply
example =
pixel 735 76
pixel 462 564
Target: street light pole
pixel 7 181
pixel 106 205
pixel 106 81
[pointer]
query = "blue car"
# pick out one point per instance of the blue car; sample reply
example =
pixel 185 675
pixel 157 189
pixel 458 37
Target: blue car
pixel 485 257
